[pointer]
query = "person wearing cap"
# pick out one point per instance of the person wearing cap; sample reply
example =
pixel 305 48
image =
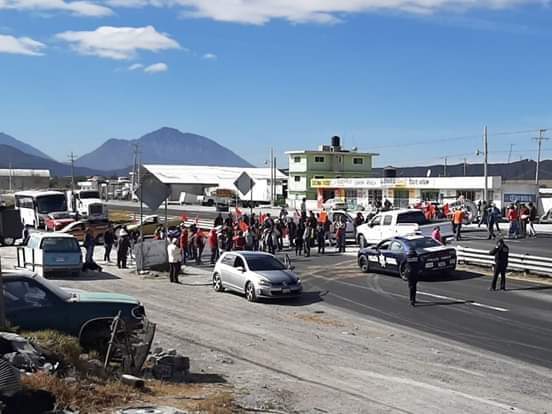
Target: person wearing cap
pixel 123 244
pixel 500 253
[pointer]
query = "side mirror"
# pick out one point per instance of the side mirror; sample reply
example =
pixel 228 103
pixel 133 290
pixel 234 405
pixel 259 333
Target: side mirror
pixel 240 269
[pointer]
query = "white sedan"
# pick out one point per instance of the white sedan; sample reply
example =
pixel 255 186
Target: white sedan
pixel 255 274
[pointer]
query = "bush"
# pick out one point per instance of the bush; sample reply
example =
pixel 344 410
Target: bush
pixel 64 347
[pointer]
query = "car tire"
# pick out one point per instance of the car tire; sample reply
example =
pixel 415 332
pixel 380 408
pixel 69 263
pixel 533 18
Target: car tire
pixel 250 294
pixel 361 241
pixel 404 271
pixel 217 283
pixel 364 264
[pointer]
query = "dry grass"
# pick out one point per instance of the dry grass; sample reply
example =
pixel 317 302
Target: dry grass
pixel 319 320
pixel 63 346
pixel 88 396
pixel 121 216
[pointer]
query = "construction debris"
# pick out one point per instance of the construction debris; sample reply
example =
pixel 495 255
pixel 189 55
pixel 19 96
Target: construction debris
pixel 167 366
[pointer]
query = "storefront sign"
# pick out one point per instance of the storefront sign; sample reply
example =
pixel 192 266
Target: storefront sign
pixel 522 198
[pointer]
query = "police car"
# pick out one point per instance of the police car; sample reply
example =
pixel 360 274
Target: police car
pixel 400 254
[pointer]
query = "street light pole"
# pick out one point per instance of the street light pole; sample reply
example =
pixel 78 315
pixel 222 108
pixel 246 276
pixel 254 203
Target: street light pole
pixel 485 162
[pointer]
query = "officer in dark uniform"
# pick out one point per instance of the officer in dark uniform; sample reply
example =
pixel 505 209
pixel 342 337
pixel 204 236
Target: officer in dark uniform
pixel 501 253
pixel 412 277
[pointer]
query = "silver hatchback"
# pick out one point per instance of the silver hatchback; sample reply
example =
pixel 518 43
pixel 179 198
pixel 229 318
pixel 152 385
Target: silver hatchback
pixel 257 275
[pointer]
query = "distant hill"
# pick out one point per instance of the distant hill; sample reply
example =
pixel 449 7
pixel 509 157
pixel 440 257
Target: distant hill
pixel 519 170
pixel 18 159
pixel 6 139
pixel 164 146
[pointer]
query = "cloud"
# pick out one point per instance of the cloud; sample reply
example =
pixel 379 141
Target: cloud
pixel 319 11
pixel 81 8
pixel 118 42
pixel 135 66
pixel 209 56
pixel 20 45
pixel 156 68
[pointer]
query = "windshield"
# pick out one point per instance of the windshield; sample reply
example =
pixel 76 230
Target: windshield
pixel 60 244
pixel 423 243
pixel 264 263
pixel 411 217
pixel 56 290
pixel 89 194
pixel 49 203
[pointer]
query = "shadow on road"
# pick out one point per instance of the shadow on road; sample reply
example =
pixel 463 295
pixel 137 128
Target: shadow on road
pixel 307 298
pixel 445 277
pixel 440 303
pixel 531 288
pixel 196 378
pixel 88 276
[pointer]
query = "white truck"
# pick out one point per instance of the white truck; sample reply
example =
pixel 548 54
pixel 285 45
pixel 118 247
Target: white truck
pixel 395 223
pixel 87 203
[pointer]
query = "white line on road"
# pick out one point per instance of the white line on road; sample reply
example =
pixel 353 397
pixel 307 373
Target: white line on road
pixel 480 305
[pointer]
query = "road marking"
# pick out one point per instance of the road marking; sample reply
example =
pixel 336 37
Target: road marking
pixel 467 302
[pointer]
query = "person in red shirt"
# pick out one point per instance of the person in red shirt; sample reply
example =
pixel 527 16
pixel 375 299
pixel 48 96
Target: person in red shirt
pixel 212 240
pixel 513 218
pixel 239 241
pixel 183 242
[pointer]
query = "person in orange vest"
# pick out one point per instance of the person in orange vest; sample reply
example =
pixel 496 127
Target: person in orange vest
pixel 457 220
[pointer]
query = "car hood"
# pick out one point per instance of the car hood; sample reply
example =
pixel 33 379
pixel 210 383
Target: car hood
pixel 91 297
pixel 278 276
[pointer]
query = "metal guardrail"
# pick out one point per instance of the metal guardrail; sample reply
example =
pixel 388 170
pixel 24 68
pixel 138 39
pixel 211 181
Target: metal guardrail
pixel 519 262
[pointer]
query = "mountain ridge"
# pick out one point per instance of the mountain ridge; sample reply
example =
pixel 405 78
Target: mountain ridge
pixel 162 146
pixel 6 139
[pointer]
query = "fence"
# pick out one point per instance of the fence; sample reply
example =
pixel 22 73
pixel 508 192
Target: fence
pixel 519 262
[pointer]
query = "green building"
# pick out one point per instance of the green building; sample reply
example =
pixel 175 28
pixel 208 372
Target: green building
pixel 328 162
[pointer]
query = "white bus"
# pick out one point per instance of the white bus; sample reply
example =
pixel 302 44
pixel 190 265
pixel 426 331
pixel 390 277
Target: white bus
pixel 34 206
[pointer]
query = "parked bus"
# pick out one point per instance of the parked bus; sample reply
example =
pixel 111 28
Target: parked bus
pixel 34 206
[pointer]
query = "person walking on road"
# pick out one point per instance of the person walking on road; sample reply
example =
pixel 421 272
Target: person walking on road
pixel 513 218
pixel 109 240
pixel 123 244
pixel 183 242
pixel 340 227
pixel 491 220
pixel 89 245
pixel 212 240
pixel 412 278
pixel 483 214
pixel 321 238
pixel 500 253
pixel 173 251
pixel 458 219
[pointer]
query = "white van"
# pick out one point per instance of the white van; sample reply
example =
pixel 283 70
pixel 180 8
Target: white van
pixel 51 253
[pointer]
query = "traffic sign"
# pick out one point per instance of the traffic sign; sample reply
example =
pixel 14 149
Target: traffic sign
pixel 152 192
pixel 244 183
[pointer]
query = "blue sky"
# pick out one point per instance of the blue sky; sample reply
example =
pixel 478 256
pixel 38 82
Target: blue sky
pixel 399 77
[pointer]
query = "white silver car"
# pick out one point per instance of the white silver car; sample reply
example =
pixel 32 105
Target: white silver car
pixel 255 274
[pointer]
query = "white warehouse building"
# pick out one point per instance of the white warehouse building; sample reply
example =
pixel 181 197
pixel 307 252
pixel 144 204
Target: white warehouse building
pixel 196 179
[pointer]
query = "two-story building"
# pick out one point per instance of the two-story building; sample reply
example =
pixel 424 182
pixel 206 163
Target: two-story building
pixel 328 162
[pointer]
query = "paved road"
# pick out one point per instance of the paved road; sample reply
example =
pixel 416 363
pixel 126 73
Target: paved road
pixel 516 323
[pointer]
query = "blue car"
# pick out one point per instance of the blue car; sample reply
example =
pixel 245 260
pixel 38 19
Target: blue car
pixel 399 255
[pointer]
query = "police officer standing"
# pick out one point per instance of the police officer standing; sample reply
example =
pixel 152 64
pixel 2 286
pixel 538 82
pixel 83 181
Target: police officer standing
pixel 412 277
pixel 501 253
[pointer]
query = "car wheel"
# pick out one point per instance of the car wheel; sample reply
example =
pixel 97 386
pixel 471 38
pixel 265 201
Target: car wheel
pixel 363 264
pixel 217 283
pixel 404 271
pixel 361 241
pixel 250 294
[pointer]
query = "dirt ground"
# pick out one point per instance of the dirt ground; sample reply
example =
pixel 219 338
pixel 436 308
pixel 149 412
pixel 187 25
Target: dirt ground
pixel 313 358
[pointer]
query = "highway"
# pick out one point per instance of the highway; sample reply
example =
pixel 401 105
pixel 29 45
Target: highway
pixel 516 323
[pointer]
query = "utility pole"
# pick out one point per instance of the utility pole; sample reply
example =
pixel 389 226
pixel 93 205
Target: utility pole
pixel 485 163
pixel 510 153
pixel 274 181
pixel 72 160
pixel 271 176
pixel 445 167
pixel 465 167
pixel 135 150
pixel 539 139
pixel 10 177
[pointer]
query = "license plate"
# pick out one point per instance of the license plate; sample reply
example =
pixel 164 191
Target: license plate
pixel 442 264
pixel 284 291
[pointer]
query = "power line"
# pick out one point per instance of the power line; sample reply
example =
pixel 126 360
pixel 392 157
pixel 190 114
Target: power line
pixel 540 140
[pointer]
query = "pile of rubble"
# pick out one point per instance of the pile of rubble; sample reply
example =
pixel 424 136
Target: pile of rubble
pixel 167 366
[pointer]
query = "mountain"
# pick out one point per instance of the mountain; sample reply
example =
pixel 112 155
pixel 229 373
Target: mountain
pixel 518 170
pixel 10 156
pixel 164 146
pixel 6 139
